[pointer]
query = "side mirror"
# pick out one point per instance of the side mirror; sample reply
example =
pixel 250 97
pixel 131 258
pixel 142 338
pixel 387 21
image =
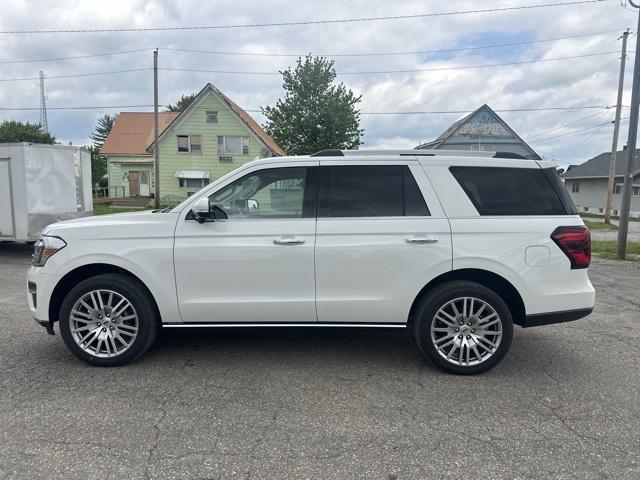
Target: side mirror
pixel 202 211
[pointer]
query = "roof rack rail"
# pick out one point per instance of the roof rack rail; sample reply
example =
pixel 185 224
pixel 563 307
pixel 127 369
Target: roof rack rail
pixel 401 153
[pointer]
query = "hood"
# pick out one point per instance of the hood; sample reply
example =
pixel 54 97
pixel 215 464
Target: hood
pixel 116 226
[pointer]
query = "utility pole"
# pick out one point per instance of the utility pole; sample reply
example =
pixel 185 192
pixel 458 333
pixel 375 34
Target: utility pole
pixel 156 147
pixel 43 104
pixel 616 129
pixel 623 227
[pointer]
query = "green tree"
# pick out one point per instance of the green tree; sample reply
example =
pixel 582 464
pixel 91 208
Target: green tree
pixel 100 133
pixel 102 129
pixel 315 113
pixel 182 104
pixel 14 131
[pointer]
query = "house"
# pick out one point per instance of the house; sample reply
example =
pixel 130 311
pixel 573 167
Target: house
pixel 208 139
pixel 588 184
pixel 481 130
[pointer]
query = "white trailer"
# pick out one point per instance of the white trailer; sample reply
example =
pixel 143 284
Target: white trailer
pixel 40 185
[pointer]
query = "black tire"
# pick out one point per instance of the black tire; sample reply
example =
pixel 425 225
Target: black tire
pixel 425 316
pixel 129 288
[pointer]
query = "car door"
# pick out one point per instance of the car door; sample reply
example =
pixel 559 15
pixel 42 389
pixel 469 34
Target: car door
pixel 381 236
pixel 257 265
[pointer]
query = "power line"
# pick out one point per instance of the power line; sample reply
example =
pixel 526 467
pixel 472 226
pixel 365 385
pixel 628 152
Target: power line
pixel 422 112
pixel 545 132
pixel 16 109
pixel 38 60
pixel 416 70
pixel 380 54
pixel 306 22
pixel 295 55
pixel 572 132
pixel 75 75
pixel 237 72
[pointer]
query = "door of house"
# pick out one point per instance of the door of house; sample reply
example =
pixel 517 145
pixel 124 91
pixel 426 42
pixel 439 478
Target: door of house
pixel 134 185
pixel 144 183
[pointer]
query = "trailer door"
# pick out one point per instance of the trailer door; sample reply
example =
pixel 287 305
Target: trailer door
pixel 7 222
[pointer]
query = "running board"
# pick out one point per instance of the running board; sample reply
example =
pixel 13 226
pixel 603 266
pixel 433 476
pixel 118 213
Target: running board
pixel 317 324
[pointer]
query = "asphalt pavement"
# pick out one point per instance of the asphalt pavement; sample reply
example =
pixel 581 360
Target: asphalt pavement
pixel 324 404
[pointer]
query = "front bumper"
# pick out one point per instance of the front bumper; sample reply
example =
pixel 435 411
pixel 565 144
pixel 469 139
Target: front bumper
pixel 538 319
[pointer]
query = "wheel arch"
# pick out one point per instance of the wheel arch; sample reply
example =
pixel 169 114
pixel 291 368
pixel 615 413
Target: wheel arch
pixel 78 274
pixel 491 280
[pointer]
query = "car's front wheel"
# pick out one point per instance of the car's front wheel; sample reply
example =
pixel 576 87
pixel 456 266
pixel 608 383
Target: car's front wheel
pixel 108 320
pixel 463 327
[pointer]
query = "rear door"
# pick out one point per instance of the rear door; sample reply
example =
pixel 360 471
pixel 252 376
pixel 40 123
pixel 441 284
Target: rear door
pixel 381 235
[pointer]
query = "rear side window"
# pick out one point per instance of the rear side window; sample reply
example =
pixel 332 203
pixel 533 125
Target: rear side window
pixel 369 191
pixel 512 191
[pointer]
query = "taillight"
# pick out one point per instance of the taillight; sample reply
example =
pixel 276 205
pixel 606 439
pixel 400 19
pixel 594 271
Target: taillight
pixel 575 242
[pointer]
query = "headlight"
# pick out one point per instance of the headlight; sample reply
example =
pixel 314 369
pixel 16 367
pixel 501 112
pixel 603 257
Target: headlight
pixel 44 248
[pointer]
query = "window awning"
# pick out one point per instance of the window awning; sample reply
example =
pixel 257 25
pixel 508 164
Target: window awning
pixel 192 174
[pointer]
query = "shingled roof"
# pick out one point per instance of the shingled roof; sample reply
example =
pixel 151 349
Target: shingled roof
pixel 132 132
pixel 598 166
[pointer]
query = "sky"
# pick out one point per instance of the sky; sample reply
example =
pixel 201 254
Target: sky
pixel 564 136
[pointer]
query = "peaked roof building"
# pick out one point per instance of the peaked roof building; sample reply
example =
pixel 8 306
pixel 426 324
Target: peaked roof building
pixel 481 130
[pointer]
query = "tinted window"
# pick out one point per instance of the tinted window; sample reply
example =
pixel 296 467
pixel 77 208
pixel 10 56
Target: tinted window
pixel 510 191
pixel 369 191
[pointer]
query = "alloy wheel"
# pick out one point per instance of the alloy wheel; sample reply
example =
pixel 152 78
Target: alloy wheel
pixel 104 323
pixel 466 331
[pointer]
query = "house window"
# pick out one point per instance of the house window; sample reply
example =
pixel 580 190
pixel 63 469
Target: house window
pixel 195 143
pixel 225 159
pixel 212 116
pixel 183 143
pixel 233 145
pixel 636 191
pixel 192 182
pixel 575 187
pixel 190 143
pixel 617 188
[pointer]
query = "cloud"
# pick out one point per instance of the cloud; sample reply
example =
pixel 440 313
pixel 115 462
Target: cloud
pixel 591 80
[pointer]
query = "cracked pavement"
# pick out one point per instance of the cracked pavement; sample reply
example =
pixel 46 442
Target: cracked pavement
pixel 250 404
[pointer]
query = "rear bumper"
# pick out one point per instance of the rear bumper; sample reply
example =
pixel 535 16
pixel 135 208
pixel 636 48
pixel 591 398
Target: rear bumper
pixel 555 317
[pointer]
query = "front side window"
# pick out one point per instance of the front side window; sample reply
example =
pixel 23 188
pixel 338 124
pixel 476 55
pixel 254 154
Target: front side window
pixel 233 145
pixel 369 191
pixel 269 193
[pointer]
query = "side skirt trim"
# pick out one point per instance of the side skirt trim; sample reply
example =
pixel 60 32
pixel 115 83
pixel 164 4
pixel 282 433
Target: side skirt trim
pixel 261 325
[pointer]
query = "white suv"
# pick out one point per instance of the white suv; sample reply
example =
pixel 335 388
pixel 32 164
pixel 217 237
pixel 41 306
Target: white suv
pixel 456 247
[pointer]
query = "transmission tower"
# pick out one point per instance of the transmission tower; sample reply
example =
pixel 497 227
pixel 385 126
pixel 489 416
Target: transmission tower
pixel 43 104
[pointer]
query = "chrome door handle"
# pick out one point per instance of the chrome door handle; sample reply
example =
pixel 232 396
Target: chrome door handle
pixel 422 239
pixel 288 241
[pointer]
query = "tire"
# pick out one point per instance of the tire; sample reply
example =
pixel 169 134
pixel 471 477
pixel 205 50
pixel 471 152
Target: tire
pixel 108 341
pixel 476 345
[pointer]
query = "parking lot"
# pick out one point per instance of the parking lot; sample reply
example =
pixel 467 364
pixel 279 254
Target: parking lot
pixel 208 404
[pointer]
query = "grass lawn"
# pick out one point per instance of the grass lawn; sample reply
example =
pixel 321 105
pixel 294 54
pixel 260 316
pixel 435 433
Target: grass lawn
pixel 104 209
pixel 607 249
pixel 593 215
pixel 599 225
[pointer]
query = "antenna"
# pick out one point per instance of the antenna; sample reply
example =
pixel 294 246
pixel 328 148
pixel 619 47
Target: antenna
pixel 43 104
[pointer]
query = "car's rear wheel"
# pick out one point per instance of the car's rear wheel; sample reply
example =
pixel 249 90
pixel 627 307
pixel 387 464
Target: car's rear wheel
pixel 463 327
pixel 108 320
